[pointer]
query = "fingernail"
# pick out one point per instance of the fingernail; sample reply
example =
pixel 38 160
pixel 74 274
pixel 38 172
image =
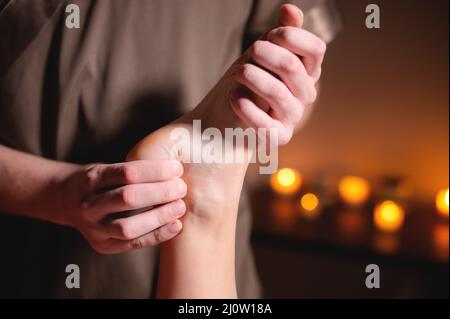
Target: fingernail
pixel 175 227
pixel 182 187
pixel 177 168
pixel 178 209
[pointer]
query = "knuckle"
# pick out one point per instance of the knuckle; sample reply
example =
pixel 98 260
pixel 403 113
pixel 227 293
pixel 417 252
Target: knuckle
pixel 277 93
pixel 125 230
pixel 159 237
pixel 164 170
pixel 256 48
pixel 320 47
pixel 285 136
pixel 129 173
pixel 284 34
pixel 246 72
pixel 267 125
pixel 128 197
pixel 86 213
pixel 290 64
pixel 317 73
pixel 163 215
pixel 92 174
pixel 311 96
pixel 99 246
pixel 169 190
pixel 297 113
pixel 272 34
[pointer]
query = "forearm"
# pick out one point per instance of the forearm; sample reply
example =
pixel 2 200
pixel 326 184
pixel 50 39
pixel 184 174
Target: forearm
pixel 199 263
pixel 28 184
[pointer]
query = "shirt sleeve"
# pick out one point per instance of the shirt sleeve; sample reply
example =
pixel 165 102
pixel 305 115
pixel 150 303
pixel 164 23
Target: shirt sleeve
pixel 321 17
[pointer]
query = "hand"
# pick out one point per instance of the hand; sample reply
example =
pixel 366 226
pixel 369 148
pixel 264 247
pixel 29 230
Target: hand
pixel 94 195
pixel 276 78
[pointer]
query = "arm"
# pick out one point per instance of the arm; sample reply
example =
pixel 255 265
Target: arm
pixel 28 185
pixel 84 197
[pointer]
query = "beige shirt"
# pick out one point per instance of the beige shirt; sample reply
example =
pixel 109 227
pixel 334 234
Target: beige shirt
pixel 89 94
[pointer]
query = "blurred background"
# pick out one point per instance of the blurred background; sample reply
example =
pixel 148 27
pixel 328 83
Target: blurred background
pixel 366 180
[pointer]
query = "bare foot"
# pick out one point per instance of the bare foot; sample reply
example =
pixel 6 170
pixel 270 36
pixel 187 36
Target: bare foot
pixel 258 98
pixel 210 185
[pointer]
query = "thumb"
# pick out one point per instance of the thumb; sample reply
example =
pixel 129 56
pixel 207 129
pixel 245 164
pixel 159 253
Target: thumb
pixel 290 16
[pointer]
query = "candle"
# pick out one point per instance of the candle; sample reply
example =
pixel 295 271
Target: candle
pixel 388 216
pixel 286 181
pixel 309 203
pixel 442 202
pixel 354 190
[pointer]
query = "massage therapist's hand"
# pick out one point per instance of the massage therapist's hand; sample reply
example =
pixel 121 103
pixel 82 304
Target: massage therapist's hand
pixel 94 196
pixel 96 199
pixel 277 77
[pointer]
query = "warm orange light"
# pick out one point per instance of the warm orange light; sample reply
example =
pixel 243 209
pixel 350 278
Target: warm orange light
pixel 286 181
pixel 388 216
pixel 354 190
pixel 352 224
pixel 309 202
pixel 386 243
pixel 442 202
pixel 440 240
pixel 283 212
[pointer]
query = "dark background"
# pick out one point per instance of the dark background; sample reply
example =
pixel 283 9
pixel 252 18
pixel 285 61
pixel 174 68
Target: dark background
pixel 382 112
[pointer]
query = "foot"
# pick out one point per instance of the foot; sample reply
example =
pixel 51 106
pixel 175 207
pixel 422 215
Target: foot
pixel 267 87
pixel 214 185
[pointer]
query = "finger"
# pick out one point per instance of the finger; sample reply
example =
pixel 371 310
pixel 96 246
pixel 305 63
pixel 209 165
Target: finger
pixel 158 236
pixel 143 171
pixel 307 45
pixel 266 86
pixel 285 65
pixel 132 197
pixel 253 116
pixel 290 15
pixel 143 223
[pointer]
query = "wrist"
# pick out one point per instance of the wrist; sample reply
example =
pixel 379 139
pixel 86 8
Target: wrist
pixel 58 194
